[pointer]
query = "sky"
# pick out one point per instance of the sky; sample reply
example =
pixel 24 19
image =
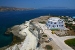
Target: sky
pixel 38 3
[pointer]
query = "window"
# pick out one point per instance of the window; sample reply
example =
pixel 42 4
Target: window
pixel 53 25
pixel 54 22
pixel 62 21
pixel 48 25
pixel 61 25
pixel 57 25
pixel 51 22
pixel 48 22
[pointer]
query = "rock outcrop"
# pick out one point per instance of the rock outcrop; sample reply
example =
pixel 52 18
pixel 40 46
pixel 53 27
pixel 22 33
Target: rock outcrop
pixel 16 30
pixel 22 31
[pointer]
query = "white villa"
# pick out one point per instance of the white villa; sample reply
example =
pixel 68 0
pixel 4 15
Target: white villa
pixel 55 23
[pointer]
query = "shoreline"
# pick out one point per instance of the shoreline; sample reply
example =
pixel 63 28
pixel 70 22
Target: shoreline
pixel 16 40
pixel 27 40
pixel 18 30
pixel 9 30
pixel 15 36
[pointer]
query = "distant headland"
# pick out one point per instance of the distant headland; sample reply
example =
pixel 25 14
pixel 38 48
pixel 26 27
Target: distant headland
pixel 5 8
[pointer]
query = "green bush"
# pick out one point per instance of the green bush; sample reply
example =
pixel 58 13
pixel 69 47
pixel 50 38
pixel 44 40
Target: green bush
pixel 74 20
pixel 44 35
pixel 73 27
pixel 48 47
pixel 68 25
pixel 43 22
pixel 54 29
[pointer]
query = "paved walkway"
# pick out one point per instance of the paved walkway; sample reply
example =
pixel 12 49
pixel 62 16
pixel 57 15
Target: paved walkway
pixel 56 39
pixel 30 42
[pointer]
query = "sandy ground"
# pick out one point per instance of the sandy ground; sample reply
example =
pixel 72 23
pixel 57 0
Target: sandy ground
pixel 57 40
pixel 41 18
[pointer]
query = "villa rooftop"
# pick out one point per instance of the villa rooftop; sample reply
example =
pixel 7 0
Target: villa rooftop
pixel 54 19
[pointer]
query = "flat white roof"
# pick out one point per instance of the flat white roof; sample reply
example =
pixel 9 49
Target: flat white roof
pixel 53 19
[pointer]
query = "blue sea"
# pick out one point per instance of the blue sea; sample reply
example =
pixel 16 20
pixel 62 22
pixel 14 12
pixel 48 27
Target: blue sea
pixel 11 18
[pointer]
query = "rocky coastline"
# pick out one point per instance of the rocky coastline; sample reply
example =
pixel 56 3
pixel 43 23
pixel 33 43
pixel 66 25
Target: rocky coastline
pixel 15 31
pixel 21 34
pixel 18 37
pixel 24 35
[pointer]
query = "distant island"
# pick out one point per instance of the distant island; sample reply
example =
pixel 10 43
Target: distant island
pixel 4 8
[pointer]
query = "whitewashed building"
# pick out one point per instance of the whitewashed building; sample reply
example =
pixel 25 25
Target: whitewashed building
pixel 55 23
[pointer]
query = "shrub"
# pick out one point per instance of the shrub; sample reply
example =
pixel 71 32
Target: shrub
pixel 68 25
pixel 54 29
pixel 44 35
pixel 43 22
pixel 48 47
pixel 73 27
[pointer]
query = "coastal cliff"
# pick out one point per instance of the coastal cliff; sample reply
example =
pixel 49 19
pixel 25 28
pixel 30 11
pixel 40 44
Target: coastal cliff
pixel 22 31
pixel 29 32
pixel 15 30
